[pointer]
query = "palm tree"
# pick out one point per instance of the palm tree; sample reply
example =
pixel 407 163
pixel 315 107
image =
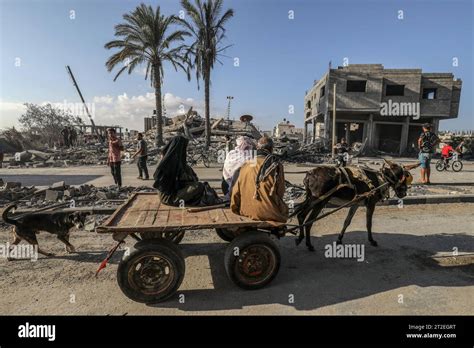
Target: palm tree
pixel 145 38
pixel 206 25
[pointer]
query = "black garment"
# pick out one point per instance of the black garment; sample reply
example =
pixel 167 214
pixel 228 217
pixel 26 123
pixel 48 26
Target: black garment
pixel 142 168
pixel 172 166
pixel 115 169
pixel 224 186
pixel 428 140
pixel 176 181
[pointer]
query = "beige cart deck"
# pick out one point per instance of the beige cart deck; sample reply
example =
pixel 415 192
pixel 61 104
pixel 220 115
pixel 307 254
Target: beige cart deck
pixel 143 212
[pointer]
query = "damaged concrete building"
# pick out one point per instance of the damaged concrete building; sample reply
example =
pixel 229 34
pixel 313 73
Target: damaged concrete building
pixel 385 107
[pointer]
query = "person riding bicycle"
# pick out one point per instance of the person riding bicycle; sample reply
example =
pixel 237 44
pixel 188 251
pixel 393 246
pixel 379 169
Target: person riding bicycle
pixel 342 150
pixel 446 152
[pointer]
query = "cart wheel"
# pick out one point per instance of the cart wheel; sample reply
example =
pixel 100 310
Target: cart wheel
pixel 252 260
pixel 153 272
pixel 457 166
pixel 175 237
pixel 225 234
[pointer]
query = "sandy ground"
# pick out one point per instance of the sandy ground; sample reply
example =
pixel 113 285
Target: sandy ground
pixel 412 271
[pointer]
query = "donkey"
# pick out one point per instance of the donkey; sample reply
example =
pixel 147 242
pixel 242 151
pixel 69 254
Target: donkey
pixel 326 182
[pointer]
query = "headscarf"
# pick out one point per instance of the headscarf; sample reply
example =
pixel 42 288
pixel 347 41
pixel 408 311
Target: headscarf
pixel 171 166
pixel 237 157
pixel 244 143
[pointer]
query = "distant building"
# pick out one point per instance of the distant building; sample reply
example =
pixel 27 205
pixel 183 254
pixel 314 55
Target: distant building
pixel 385 106
pixel 285 128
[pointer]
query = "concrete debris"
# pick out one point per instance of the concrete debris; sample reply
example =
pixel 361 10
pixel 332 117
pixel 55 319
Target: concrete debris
pixel 76 196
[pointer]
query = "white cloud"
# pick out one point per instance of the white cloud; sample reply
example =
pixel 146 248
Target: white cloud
pixel 127 111
pixel 9 113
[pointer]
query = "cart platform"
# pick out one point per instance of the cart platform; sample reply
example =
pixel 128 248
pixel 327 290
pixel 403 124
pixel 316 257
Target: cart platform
pixel 144 212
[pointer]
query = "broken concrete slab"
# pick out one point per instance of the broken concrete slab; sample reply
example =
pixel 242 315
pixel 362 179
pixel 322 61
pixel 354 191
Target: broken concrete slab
pixel 52 195
pixel 58 185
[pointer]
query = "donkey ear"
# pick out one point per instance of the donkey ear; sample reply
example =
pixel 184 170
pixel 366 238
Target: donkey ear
pixel 411 166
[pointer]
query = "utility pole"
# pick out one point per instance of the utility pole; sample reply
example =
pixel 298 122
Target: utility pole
pixel 229 98
pixel 94 129
pixel 334 120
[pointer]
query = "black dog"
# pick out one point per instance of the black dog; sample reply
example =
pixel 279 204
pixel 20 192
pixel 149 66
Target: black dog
pixel 322 184
pixel 58 223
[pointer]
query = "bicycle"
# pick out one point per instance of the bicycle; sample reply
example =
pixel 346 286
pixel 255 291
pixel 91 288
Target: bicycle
pixel 444 164
pixel 199 158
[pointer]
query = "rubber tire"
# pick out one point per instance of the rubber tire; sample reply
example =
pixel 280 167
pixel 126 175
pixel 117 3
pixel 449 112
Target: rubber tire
pixel 440 166
pixel 176 240
pixel 242 242
pixel 456 170
pixel 153 246
pixel 224 234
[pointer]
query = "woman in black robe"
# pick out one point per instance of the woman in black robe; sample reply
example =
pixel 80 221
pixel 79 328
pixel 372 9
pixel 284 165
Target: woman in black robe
pixel 176 181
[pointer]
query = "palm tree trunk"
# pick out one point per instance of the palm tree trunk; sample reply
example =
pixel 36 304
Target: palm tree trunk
pixel 159 109
pixel 207 81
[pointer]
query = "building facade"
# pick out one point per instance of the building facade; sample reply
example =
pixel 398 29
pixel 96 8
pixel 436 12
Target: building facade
pixel 384 107
pixel 285 128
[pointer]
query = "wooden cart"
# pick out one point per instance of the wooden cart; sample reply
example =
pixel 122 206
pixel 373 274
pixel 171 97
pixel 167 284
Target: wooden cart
pixel 155 269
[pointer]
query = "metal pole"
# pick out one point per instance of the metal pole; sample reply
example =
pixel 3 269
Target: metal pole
pixel 334 120
pixel 94 130
pixel 229 98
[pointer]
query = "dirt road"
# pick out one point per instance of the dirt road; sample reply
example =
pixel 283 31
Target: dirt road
pixel 412 271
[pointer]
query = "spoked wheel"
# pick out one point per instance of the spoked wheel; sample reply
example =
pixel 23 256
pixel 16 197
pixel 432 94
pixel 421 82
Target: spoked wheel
pixel 153 272
pixel 252 260
pixel 440 166
pixel 175 237
pixel 457 166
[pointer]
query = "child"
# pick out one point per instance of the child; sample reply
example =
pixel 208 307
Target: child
pixel 446 152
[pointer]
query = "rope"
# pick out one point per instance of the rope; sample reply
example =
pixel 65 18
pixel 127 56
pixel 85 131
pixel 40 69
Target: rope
pixel 354 200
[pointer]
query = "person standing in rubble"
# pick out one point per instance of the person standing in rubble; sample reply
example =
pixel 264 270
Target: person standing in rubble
pixel 72 136
pixel 142 153
pixel 114 159
pixel 65 134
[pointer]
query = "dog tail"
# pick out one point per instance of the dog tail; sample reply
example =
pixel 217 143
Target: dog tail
pixel 5 215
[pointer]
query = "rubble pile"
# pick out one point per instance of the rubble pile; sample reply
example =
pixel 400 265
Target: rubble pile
pixel 76 196
pixel 83 155
pixel 307 153
pixel 192 125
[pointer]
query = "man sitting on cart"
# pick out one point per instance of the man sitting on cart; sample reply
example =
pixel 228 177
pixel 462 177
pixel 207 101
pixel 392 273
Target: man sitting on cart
pixel 259 189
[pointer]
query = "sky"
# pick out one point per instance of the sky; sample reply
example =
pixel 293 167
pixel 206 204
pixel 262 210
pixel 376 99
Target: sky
pixel 281 47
